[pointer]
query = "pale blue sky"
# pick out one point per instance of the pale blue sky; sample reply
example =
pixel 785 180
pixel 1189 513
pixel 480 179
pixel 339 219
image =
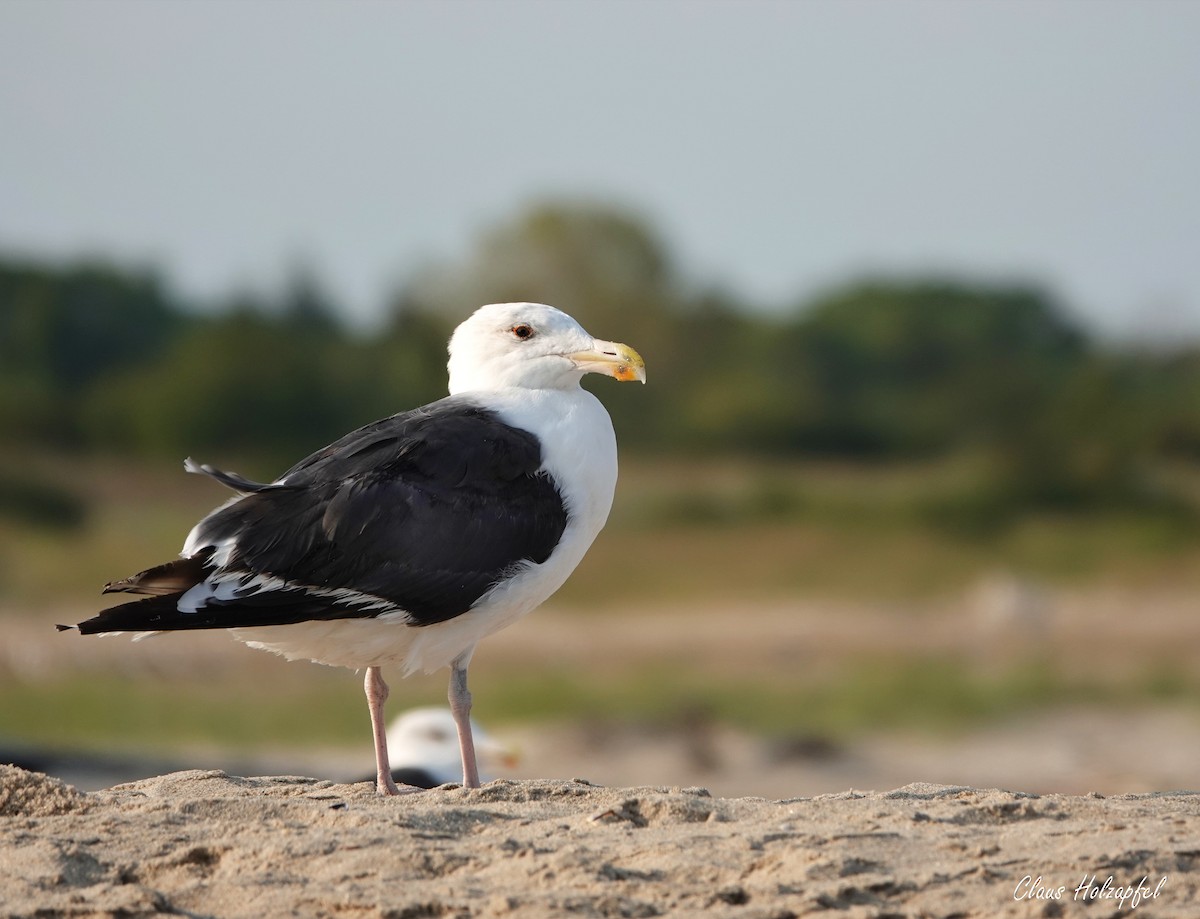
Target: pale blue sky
pixel 778 146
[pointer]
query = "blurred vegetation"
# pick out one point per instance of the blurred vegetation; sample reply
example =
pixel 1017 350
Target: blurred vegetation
pixel 888 439
pixel 313 707
pixel 999 379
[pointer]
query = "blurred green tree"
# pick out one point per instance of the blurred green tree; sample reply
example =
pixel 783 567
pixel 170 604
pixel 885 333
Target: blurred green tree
pixel 919 368
pixel 251 380
pixel 62 329
pixel 878 370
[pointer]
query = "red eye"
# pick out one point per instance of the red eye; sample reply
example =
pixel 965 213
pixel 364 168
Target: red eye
pixel 522 331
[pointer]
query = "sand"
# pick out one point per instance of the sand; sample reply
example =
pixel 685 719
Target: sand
pixel 205 843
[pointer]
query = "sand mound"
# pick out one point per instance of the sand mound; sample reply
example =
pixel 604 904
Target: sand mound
pixel 210 844
pixel 31 794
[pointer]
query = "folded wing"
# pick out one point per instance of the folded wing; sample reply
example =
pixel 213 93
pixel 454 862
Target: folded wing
pixel 418 515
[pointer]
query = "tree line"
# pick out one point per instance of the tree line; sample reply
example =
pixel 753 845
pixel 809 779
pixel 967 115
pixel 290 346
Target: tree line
pixel 100 357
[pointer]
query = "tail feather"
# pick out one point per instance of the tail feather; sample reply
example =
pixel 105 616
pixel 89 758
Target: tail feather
pixel 166 585
pixel 162 614
pixel 152 614
pixel 171 578
pixel 240 484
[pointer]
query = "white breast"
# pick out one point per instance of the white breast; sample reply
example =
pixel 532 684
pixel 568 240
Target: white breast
pixel 579 450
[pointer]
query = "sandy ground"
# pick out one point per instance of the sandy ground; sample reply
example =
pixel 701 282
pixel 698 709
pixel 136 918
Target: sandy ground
pixel 209 844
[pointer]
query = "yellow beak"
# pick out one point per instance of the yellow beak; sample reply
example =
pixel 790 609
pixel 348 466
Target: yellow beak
pixel 612 359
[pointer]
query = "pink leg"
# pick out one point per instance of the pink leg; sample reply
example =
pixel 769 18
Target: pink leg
pixel 460 707
pixel 377 693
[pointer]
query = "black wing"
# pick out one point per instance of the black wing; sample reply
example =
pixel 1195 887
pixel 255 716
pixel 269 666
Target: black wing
pixel 425 510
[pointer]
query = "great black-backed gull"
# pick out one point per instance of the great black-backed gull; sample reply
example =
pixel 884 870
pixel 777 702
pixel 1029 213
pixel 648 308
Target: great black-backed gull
pixel 409 540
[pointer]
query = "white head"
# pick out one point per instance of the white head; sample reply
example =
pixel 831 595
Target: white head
pixel 427 738
pixel 532 346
